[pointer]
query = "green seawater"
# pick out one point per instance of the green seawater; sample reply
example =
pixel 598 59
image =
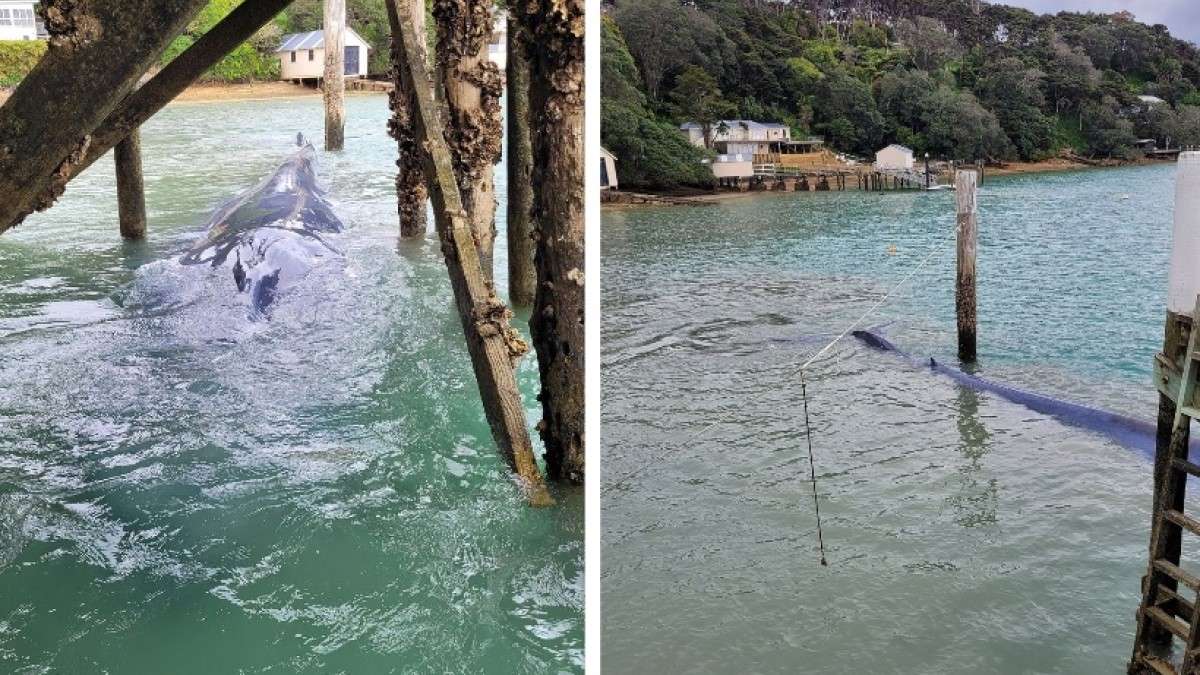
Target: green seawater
pixel 186 490
pixel 965 533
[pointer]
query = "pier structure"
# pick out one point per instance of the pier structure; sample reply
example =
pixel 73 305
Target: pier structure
pixel 1168 611
pixel 86 97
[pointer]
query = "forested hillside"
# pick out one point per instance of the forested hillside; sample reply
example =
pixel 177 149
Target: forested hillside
pixel 960 79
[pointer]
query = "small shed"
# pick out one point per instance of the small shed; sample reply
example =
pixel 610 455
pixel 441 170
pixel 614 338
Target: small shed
pixel 18 21
pixel 302 55
pixel 894 157
pixel 608 170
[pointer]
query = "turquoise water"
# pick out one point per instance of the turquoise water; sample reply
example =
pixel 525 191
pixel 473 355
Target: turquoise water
pixel 964 533
pixel 185 490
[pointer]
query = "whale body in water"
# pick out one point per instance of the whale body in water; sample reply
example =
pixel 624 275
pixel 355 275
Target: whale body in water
pixel 1130 432
pixel 271 235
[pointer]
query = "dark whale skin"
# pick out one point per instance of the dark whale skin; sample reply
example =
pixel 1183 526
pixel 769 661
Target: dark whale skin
pixel 275 231
pixel 1135 434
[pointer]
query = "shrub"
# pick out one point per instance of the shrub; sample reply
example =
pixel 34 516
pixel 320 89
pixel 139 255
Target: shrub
pixel 17 58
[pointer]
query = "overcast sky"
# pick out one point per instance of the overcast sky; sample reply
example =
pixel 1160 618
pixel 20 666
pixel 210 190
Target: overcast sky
pixel 1181 16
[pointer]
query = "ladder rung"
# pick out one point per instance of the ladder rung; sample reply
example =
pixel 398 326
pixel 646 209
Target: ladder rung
pixel 1179 605
pixel 1177 573
pixel 1159 666
pixel 1177 627
pixel 1183 520
pixel 1188 411
pixel 1184 465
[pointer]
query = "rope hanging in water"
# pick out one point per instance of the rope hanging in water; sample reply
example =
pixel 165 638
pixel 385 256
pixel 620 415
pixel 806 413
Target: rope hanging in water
pixel 812 469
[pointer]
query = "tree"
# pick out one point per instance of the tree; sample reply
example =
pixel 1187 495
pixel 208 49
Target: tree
pixel 652 153
pixel 1013 92
pixel 929 43
pixel 1070 78
pixel 1107 133
pixel 697 98
pixel 665 36
pixel 845 112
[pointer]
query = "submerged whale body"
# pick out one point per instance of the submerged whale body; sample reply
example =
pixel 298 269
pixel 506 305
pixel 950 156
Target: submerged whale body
pixel 272 234
pixel 1136 434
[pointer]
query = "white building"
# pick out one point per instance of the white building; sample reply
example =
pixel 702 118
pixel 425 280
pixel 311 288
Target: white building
pixel 608 170
pixel 18 21
pixel 894 158
pixel 302 55
pixel 739 137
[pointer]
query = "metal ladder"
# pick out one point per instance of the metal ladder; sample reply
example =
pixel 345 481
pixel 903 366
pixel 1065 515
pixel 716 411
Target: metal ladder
pixel 1163 607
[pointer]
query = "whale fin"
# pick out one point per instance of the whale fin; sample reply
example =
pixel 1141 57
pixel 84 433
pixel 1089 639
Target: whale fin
pixel 239 274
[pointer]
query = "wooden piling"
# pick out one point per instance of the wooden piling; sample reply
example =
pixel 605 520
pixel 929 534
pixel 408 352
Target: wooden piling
pixel 131 188
pixel 492 343
pixel 1183 286
pixel 335 74
pixel 966 197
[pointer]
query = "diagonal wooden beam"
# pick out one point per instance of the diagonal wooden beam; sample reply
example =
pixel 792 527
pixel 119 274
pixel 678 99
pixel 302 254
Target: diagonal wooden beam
pixel 98 51
pixel 142 104
pixel 493 344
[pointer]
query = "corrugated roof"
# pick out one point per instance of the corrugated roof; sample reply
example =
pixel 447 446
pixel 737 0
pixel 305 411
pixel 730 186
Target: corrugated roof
pixel 311 40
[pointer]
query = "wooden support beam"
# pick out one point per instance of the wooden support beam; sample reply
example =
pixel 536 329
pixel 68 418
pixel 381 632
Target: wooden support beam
pixel 412 192
pixel 131 188
pixel 183 70
pixel 556 62
pixel 334 82
pixel 473 86
pixel 98 50
pixel 522 277
pixel 966 200
pixel 493 344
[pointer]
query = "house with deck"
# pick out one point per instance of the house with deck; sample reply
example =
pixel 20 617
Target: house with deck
pixel 18 21
pixel 302 56
pixel 740 144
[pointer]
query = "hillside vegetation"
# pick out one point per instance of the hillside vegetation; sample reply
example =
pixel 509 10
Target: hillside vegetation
pixel 960 79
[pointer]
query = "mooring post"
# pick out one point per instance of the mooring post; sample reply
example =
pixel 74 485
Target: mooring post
pixel 335 74
pixel 1183 282
pixel 964 298
pixel 131 188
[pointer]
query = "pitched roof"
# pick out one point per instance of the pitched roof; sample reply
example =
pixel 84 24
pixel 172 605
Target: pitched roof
pixel 903 148
pixel 311 40
pixel 749 124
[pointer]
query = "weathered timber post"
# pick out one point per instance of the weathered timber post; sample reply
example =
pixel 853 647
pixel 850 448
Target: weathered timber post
pixel 473 86
pixel 334 81
pixel 412 191
pixel 1183 284
pixel 131 188
pixel 97 52
pixel 966 198
pixel 556 60
pixel 493 344
pixel 522 277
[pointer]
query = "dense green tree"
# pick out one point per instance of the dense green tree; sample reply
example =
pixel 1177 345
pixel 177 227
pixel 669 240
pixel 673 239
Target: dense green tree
pixel 928 41
pixel 697 98
pixel 1106 132
pixel 665 36
pixel 1013 92
pixel 652 153
pixel 846 113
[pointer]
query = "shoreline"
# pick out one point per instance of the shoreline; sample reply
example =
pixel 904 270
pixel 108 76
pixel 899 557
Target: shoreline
pixel 216 92
pixel 686 198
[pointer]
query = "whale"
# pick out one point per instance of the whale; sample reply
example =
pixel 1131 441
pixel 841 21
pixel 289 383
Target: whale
pixel 1135 434
pixel 271 235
